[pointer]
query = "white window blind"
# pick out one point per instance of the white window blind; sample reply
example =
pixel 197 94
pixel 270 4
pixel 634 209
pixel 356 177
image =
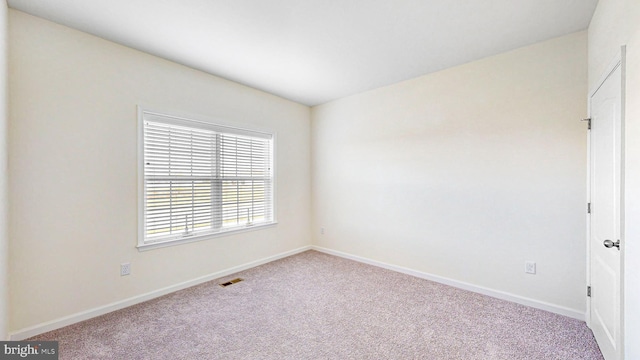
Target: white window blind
pixel 201 179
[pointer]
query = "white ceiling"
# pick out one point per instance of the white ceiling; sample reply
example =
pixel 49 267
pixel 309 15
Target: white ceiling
pixel 314 51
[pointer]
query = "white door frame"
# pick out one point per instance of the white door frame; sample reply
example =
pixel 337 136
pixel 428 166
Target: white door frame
pixel 618 61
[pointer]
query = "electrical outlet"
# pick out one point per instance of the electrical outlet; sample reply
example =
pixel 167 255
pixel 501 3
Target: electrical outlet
pixel 125 269
pixel 321 231
pixel 530 267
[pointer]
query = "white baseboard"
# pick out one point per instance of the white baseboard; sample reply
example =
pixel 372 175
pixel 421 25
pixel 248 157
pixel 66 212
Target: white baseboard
pixel 572 313
pixel 91 313
pixel 88 314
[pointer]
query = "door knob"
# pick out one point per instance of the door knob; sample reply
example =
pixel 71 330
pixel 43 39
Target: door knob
pixel 610 244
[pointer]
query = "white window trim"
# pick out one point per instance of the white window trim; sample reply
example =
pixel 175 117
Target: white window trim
pixel 210 123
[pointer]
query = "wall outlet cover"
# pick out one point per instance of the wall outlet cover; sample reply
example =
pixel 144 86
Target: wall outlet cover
pixel 530 267
pixel 125 269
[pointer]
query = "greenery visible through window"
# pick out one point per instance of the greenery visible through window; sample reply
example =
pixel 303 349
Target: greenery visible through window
pixel 202 178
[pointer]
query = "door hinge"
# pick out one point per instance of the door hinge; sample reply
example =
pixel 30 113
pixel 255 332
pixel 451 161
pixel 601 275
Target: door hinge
pixel 588 120
pixel 588 291
pixel 588 208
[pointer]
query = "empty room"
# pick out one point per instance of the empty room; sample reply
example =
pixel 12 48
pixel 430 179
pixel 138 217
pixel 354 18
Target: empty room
pixel 280 179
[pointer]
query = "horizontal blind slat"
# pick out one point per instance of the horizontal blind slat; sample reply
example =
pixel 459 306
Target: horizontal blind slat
pixel 202 180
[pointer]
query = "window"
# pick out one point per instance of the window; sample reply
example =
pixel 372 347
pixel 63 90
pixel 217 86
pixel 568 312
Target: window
pixel 200 179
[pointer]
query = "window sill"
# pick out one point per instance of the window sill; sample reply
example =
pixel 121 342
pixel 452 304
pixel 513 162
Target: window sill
pixel 173 242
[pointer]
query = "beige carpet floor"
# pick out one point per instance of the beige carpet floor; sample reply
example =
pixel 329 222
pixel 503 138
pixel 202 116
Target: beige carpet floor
pixel 317 306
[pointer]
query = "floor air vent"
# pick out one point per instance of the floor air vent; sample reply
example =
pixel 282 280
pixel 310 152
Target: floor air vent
pixel 231 282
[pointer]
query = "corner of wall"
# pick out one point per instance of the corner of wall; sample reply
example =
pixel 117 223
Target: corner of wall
pixel 314 225
pixel 4 246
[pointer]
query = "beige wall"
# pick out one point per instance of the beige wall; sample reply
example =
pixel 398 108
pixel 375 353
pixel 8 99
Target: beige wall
pixel 616 23
pixel 4 240
pixel 466 173
pixel 73 158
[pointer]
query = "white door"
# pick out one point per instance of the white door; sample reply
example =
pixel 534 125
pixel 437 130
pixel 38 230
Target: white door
pixel 605 223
